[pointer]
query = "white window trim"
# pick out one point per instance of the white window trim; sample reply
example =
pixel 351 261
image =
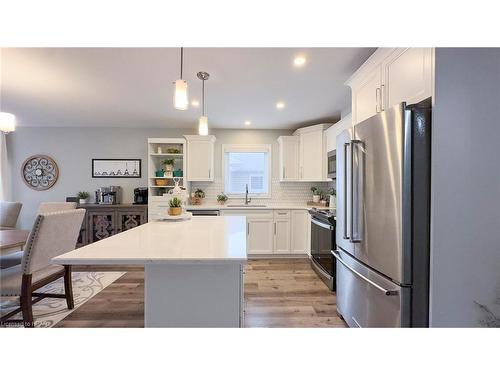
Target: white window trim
pixel 248 148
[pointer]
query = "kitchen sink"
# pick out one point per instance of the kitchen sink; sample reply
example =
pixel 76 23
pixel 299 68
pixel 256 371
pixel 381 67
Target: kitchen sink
pixel 246 205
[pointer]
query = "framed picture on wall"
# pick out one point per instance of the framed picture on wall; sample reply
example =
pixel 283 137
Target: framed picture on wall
pixel 116 168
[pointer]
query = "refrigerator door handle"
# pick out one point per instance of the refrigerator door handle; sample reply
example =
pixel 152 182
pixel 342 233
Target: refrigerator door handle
pixel 387 292
pixel 351 221
pixel 346 237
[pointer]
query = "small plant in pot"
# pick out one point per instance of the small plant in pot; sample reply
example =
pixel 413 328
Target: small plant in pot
pixel 83 196
pixel 333 197
pixel 316 194
pixel 222 198
pixel 169 165
pixel 197 197
pixel 175 208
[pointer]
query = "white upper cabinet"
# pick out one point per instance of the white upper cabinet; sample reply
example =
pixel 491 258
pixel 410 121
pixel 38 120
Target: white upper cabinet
pixel 407 76
pixel 391 76
pixel 312 155
pixel 366 95
pixel 302 156
pixel 334 130
pixel 200 157
pixel 289 158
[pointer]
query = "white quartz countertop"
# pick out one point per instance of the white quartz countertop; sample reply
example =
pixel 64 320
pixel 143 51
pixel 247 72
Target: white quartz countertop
pixel 212 239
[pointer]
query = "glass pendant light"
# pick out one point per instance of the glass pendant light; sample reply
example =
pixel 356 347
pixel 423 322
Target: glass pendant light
pixel 180 90
pixel 7 122
pixel 203 120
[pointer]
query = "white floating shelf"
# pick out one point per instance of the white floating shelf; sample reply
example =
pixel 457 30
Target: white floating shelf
pixel 157 154
pixel 170 178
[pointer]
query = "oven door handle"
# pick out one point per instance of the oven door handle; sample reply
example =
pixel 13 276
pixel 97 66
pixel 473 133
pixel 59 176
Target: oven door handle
pixel 321 224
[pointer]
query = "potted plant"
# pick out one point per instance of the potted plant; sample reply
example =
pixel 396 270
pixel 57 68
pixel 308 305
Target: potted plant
pixel 333 197
pixel 83 196
pixel 175 208
pixel 169 166
pixel 197 197
pixel 316 194
pixel 222 198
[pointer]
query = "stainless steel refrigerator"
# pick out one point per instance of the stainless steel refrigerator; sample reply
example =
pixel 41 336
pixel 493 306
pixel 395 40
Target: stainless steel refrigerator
pixel 383 209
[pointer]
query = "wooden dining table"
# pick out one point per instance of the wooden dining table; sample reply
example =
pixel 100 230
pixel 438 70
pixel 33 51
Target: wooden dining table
pixel 12 240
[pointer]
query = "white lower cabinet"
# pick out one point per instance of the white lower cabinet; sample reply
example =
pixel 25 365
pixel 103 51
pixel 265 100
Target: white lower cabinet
pixel 275 232
pixel 300 232
pixel 260 235
pixel 282 232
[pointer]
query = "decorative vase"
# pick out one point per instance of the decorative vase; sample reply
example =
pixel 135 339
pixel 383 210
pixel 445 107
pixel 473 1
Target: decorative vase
pixel 196 200
pixel 174 211
pixel 333 201
pixel 222 203
pixel 316 198
pixel 159 173
pixel 83 201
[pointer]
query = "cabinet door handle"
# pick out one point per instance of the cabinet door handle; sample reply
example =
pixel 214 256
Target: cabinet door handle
pixel 275 229
pixel 248 229
pixel 382 95
pixel 284 175
pixel 377 99
pixel 209 170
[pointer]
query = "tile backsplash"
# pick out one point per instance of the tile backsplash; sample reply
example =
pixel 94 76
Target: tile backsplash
pixel 281 192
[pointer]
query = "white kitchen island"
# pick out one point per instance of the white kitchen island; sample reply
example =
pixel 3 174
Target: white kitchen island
pixel 193 269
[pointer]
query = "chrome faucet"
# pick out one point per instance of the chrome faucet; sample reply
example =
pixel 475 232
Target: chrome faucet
pixel 247 200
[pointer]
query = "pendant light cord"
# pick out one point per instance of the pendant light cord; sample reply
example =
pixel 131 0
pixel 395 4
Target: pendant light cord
pixel 203 97
pixel 182 59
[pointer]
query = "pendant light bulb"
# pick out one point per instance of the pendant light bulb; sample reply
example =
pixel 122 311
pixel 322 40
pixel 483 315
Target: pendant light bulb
pixel 180 95
pixel 180 89
pixel 7 122
pixel 203 125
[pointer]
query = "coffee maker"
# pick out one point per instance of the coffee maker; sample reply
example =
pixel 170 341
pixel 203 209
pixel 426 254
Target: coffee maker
pixel 141 195
pixel 108 195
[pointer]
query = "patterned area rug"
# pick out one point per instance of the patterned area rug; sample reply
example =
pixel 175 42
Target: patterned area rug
pixel 50 311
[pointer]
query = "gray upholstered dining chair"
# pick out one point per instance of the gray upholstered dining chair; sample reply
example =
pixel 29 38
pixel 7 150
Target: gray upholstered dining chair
pixel 55 206
pixel 9 212
pixel 53 234
pixel 13 259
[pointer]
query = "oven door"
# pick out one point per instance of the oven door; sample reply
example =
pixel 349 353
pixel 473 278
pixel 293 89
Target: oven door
pixel 322 245
pixel 332 164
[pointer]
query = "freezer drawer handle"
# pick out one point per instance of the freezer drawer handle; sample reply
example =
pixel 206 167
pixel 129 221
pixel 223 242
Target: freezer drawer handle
pixel 383 290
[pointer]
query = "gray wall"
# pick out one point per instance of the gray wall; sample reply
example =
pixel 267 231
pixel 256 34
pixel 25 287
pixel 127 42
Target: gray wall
pixel 465 221
pixel 73 149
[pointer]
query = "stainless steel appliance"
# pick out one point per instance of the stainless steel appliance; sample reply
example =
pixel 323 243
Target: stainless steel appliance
pixel 141 195
pixel 383 205
pixel 331 163
pixel 204 212
pixel 108 195
pixel 322 243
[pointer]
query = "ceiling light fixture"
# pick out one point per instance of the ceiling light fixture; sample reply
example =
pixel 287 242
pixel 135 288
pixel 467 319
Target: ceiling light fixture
pixel 203 120
pixel 180 90
pixel 280 105
pixel 7 122
pixel 247 123
pixel 299 61
pixel 195 103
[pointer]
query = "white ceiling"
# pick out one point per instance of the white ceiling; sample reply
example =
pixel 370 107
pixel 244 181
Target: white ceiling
pixel 132 87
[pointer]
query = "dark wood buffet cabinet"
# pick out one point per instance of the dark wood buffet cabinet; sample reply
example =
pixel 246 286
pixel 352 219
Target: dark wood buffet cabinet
pixel 102 221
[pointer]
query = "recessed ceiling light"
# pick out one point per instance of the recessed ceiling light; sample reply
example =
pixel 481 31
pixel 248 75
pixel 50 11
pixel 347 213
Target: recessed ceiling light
pixel 247 123
pixel 280 105
pixel 195 103
pixel 299 61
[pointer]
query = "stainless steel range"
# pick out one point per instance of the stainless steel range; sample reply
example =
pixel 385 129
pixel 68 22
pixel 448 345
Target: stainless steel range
pixel 322 243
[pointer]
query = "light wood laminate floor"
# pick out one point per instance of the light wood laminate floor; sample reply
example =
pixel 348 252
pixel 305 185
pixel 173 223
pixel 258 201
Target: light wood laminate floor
pixel 278 293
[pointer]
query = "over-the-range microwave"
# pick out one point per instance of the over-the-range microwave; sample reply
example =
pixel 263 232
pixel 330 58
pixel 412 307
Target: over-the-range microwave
pixel 332 164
